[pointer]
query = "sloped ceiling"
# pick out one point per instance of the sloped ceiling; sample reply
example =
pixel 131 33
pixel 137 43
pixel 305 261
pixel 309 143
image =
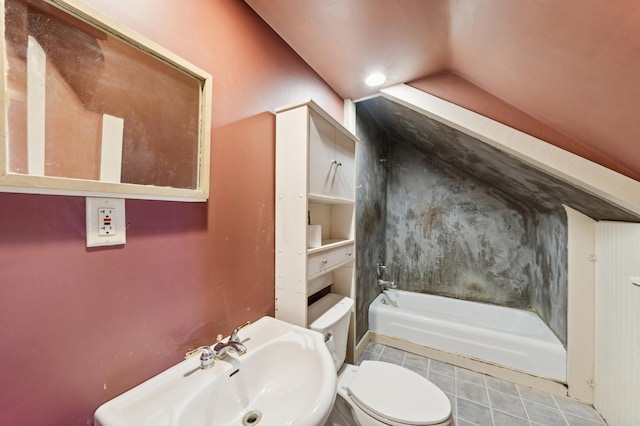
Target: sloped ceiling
pixel 574 65
pixel 527 185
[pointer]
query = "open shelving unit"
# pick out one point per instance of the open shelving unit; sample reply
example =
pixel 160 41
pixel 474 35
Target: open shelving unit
pixel 315 185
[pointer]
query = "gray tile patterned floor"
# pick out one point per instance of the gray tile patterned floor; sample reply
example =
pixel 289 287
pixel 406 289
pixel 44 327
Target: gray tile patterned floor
pixel 482 400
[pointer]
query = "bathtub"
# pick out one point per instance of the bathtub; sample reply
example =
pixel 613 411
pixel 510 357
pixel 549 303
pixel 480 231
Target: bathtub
pixel 509 337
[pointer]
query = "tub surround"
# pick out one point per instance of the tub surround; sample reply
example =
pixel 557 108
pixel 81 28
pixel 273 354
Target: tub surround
pixel 371 213
pixel 449 234
pixel 464 219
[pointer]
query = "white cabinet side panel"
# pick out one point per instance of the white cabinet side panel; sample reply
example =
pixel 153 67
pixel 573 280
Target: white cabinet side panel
pixel 581 305
pixel 291 307
pixel 291 200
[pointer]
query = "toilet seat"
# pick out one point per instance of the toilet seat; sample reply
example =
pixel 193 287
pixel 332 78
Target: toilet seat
pixel 389 392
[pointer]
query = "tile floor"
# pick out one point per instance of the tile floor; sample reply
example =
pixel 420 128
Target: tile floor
pixel 478 399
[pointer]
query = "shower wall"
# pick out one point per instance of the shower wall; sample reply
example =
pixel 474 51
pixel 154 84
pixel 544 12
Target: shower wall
pixel 371 218
pixel 452 215
pixel 442 230
pixel 548 232
pixel 451 234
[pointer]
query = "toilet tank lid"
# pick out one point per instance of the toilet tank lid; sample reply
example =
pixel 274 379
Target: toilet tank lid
pixel 328 310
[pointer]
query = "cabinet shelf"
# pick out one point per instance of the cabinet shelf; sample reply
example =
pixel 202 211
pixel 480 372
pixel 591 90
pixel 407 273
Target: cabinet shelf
pixel 329 245
pixel 323 199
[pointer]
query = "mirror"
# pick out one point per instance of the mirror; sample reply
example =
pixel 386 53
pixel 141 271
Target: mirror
pixel 91 108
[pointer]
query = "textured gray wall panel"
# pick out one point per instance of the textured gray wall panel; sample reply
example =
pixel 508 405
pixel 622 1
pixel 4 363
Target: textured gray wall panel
pixel 461 218
pixel 371 218
pixel 448 234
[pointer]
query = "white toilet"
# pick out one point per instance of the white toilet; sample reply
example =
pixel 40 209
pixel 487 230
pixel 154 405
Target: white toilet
pixel 375 393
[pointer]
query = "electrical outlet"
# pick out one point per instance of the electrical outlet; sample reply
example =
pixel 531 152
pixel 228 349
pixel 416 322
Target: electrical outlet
pixel 106 224
pixel 106 221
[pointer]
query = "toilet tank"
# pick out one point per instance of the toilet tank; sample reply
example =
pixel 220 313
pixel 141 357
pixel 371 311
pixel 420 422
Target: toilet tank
pixel 330 316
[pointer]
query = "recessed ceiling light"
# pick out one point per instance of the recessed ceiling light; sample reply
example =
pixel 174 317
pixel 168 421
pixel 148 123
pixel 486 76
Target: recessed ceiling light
pixel 375 79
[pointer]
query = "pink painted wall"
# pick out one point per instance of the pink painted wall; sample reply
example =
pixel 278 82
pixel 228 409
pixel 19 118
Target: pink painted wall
pixel 79 326
pixel 571 64
pixel 460 91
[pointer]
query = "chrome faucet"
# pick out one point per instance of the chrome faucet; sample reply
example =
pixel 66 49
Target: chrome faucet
pixel 382 269
pixel 386 284
pixel 206 356
pixel 221 348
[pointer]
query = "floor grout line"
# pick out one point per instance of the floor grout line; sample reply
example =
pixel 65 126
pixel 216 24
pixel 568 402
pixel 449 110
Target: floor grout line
pixel 486 390
pixel 455 389
pixel 519 395
pixel 526 412
pixel 560 409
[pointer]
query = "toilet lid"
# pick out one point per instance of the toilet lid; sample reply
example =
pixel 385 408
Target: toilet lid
pixel 390 392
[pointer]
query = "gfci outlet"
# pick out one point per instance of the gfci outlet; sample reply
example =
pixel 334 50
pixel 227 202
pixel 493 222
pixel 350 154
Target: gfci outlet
pixel 106 221
pixel 106 225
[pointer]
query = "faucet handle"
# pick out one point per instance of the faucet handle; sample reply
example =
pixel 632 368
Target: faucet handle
pixel 234 334
pixel 207 356
pixel 195 351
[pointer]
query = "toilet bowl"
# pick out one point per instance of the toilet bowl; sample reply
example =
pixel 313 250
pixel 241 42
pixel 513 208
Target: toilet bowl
pixel 375 393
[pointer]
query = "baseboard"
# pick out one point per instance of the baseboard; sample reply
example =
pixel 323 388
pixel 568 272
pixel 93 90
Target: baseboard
pixel 500 372
pixel 362 345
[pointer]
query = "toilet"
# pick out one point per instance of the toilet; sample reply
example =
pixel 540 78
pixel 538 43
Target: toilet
pixel 375 393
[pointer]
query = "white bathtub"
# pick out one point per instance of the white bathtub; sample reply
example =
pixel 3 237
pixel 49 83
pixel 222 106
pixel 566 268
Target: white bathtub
pixel 498 335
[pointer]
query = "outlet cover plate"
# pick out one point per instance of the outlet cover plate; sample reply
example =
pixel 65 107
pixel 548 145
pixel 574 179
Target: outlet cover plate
pixel 118 235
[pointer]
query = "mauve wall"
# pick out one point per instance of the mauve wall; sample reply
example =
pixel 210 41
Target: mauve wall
pixel 464 93
pixel 78 326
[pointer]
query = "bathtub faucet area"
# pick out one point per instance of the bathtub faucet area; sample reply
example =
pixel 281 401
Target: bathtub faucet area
pixel 386 284
pixel 382 269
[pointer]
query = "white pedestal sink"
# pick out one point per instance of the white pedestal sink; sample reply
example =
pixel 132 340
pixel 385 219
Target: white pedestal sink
pixel 287 377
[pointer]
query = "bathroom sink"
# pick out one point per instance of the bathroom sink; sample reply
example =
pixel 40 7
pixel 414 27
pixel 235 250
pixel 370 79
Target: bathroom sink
pixel 286 377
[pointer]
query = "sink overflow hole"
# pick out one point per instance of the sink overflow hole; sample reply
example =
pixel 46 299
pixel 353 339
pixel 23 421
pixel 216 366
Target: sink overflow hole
pixel 234 373
pixel 252 418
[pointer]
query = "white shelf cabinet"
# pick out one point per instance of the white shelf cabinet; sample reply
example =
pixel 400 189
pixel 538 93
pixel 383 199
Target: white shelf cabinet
pixel 315 180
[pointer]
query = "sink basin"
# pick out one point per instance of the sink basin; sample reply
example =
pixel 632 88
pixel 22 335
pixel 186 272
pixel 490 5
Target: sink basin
pixel 286 377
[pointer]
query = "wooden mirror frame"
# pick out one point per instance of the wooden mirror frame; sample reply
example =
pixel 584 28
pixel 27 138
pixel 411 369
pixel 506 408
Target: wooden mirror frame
pixel 25 183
